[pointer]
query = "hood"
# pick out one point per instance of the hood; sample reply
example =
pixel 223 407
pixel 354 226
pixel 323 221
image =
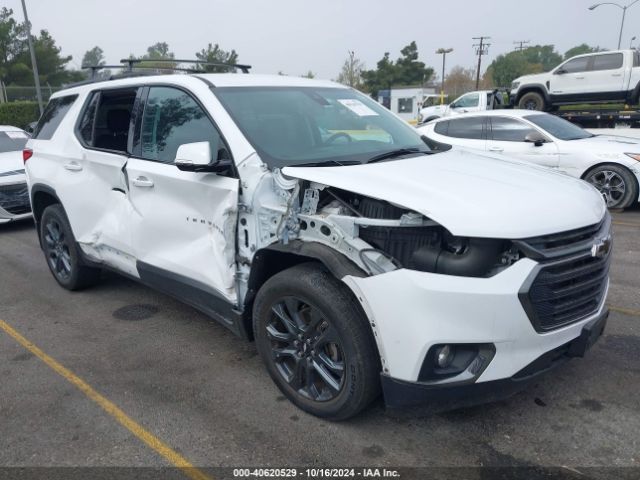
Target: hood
pixel 470 194
pixel 617 143
pixel 11 167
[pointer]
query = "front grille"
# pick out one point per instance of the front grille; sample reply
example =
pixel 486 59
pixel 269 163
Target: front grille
pixel 570 283
pixel 15 198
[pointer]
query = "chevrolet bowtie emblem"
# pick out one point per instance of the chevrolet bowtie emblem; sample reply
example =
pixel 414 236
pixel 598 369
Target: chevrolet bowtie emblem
pixel 602 248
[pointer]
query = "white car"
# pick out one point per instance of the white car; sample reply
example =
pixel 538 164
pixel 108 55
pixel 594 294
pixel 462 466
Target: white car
pixel 601 77
pixel 304 215
pixel 14 197
pixel 469 102
pixel 610 163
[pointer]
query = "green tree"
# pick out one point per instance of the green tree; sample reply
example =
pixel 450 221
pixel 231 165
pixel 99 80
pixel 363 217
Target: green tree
pixel 309 74
pixel 407 70
pixel 12 38
pixel 214 54
pixel 544 55
pixel 95 56
pixel 580 50
pixel 158 51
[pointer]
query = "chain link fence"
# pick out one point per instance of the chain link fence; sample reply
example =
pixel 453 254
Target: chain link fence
pixel 16 94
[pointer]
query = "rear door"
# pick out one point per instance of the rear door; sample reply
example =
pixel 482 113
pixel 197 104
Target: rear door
pixel 468 132
pixel 606 74
pixel 183 223
pixel 507 136
pixel 95 189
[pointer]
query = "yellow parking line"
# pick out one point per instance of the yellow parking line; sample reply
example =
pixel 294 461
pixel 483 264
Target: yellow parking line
pixel 152 441
pixel 626 311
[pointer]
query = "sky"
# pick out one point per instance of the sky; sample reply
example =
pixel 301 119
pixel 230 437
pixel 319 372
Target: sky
pixel 295 36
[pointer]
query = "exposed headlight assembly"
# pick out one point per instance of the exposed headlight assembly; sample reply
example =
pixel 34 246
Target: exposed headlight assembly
pixel 515 85
pixel 635 156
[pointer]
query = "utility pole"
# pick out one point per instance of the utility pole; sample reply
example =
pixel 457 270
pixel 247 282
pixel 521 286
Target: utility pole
pixel 34 64
pixel 521 44
pixel 482 48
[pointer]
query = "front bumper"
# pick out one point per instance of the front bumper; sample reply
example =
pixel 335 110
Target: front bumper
pixel 14 201
pixel 398 393
pixel 410 312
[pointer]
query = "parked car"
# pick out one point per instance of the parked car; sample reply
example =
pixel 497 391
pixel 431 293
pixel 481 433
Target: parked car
pixel 609 163
pixel 14 197
pixel 304 215
pixel 469 102
pixel 602 77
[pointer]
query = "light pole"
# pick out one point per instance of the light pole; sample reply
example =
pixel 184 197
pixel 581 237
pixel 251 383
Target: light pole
pixel 443 52
pixel 624 12
pixel 34 64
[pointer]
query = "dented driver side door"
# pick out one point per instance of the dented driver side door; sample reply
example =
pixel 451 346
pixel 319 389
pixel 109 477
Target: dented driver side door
pixel 184 223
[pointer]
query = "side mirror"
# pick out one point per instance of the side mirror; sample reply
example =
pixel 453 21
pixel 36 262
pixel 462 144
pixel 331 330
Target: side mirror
pixel 536 138
pixel 560 71
pixel 196 157
pixel 31 128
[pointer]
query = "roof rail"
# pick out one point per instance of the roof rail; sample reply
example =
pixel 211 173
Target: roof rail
pixel 136 63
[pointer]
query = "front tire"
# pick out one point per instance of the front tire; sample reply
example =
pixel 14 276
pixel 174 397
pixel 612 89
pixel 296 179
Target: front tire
pixel 532 101
pixel 315 342
pixel 61 251
pixel 616 184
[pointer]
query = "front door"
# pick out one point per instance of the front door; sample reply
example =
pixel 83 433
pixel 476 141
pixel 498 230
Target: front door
pixel 184 223
pixel 507 136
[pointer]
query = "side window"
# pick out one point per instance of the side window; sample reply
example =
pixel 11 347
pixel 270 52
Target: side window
pixel 636 58
pixel 471 128
pixel 53 114
pixel 611 61
pixel 468 101
pixel 509 130
pixel 405 105
pixel 87 121
pixel 172 118
pixel 105 121
pixel 442 128
pixel 576 65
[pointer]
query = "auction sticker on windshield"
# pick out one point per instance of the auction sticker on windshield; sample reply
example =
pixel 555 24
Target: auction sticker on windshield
pixel 15 135
pixel 357 107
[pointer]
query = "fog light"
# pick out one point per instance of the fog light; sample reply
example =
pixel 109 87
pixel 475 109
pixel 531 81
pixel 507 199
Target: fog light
pixel 444 356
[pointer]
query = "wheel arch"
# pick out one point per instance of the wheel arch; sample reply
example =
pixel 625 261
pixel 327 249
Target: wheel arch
pixel 275 258
pixel 42 196
pixel 584 174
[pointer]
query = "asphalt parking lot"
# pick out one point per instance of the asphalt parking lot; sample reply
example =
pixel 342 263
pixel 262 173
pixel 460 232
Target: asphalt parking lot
pixel 203 393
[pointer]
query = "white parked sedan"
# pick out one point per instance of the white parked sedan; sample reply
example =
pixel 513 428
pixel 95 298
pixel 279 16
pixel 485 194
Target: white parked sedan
pixel 14 196
pixel 610 163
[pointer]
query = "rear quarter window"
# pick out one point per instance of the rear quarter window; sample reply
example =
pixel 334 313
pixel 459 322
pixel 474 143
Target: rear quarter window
pixel 53 114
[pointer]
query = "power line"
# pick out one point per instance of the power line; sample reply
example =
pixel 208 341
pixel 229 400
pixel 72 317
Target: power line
pixel 482 48
pixel 521 44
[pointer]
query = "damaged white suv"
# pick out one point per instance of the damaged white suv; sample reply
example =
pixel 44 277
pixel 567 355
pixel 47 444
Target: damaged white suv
pixel 302 214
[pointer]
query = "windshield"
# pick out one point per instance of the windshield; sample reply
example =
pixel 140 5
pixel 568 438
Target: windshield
pixel 291 126
pixel 12 141
pixel 558 127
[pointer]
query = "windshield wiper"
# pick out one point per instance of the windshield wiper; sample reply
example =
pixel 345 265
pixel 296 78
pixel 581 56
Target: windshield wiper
pixel 396 153
pixel 327 163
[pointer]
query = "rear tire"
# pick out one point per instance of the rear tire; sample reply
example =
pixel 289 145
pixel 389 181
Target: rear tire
pixel 616 184
pixel 315 342
pixel 532 101
pixel 61 251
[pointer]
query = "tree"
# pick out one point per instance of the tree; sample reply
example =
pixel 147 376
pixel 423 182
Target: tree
pixel 12 38
pixel 309 74
pixel 544 55
pixel 407 70
pixel 95 57
pixel 351 73
pixel 214 54
pixel 159 51
pixel 581 49
pixel 459 80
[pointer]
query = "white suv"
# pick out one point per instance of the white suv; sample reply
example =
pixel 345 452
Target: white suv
pixel 302 214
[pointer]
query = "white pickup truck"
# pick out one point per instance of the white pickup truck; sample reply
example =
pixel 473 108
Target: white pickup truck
pixel 469 102
pixel 603 77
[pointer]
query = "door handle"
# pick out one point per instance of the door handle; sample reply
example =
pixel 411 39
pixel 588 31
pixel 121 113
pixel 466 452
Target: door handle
pixel 73 166
pixel 496 149
pixel 579 78
pixel 616 74
pixel 142 182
